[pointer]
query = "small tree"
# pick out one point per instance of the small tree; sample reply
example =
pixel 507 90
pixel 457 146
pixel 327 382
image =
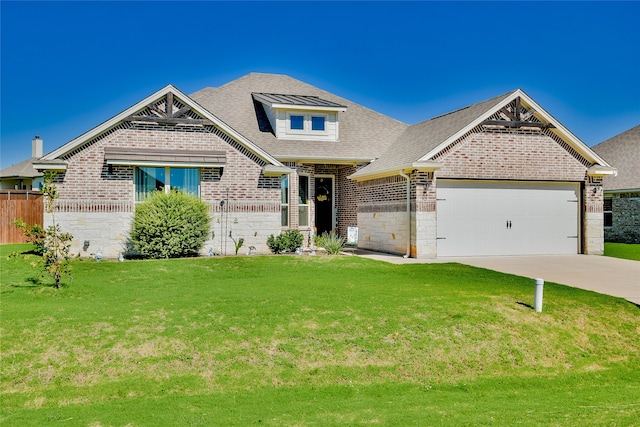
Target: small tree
pixel 55 256
pixel 170 225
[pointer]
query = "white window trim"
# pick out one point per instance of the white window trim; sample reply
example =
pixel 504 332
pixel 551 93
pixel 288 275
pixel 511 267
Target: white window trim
pixel 287 203
pixel 306 123
pixel 308 204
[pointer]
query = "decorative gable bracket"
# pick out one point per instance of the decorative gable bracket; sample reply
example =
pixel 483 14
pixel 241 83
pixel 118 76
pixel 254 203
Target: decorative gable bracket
pixel 168 111
pixel 516 115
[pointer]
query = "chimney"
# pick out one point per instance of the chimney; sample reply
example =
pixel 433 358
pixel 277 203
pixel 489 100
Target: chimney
pixel 36 147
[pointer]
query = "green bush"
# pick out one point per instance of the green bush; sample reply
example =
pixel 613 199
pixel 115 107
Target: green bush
pixel 331 242
pixel 170 225
pixel 288 241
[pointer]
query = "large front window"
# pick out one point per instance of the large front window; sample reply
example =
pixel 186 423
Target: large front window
pixel 149 179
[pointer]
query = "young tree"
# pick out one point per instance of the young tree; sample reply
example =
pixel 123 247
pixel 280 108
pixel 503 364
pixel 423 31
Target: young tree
pixel 55 257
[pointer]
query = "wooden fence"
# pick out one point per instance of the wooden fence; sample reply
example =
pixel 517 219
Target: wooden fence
pixel 19 204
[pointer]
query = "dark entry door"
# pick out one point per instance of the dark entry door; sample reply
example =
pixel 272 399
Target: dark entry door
pixel 324 204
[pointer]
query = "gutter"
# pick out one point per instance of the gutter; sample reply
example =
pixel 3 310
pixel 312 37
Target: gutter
pixel 405 176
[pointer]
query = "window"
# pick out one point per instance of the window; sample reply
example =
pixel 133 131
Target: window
pixel 284 199
pixel 608 212
pixel 297 122
pixel 317 123
pixel 303 201
pixel 149 179
pixel 307 123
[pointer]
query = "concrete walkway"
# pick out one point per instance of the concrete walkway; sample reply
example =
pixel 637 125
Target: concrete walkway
pixel 605 275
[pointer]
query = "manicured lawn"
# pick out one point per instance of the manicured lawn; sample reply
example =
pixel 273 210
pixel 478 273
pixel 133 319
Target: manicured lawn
pixel 622 250
pixel 328 341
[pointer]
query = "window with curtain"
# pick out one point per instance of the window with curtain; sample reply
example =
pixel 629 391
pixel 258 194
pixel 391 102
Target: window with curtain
pixel 149 179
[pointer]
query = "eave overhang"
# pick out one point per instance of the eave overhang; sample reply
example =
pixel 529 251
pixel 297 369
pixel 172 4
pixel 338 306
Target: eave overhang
pixel 176 158
pixel 273 170
pixel 321 160
pixel 428 166
pixel 598 170
pixel 50 165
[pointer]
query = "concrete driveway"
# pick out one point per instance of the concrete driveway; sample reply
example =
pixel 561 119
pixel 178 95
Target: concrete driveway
pixel 605 275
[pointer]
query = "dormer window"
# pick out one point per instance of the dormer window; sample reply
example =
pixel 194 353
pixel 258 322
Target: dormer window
pixel 313 123
pixel 317 123
pixel 297 122
pixel 301 117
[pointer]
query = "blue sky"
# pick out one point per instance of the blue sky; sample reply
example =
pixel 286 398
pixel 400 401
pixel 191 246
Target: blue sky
pixel 68 66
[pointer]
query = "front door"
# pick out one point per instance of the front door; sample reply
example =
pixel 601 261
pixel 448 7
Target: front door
pixel 324 204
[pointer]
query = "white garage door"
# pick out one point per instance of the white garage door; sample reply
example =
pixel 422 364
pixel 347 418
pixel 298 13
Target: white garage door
pixel 507 218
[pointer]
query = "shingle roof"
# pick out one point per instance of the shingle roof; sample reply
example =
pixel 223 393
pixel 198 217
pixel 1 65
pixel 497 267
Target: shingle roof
pixel 364 133
pixel 622 152
pixel 421 138
pixel 23 169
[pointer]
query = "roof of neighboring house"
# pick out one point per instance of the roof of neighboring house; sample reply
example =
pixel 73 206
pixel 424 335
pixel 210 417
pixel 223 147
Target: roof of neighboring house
pixel 23 169
pixel 363 133
pixel 622 152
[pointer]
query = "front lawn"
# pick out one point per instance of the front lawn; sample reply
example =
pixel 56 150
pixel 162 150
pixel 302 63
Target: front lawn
pixel 622 250
pixel 288 340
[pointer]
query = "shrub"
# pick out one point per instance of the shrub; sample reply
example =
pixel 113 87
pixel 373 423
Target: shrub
pixel 170 225
pixel 288 241
pixel 331 242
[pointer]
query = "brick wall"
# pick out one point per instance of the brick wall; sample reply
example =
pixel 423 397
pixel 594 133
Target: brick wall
pixel 89 187
pixel 514 155
pixel 626 219
pixel 510 154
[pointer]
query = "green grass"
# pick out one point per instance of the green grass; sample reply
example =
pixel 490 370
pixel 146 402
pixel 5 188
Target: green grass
pixel 288 340
pixel 622 250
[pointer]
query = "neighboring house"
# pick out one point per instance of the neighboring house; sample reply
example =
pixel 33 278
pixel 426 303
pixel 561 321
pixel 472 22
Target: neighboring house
pixel 622 192
pixel 498 177
pixel 22 176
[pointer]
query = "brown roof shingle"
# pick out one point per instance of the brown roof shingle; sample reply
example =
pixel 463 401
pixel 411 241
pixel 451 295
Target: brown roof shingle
pixel 364 133
pixel 622 152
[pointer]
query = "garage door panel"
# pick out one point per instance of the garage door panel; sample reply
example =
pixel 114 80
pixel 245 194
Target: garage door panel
pixel 507 218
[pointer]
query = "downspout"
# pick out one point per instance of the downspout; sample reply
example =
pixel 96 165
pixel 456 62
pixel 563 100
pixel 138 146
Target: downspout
pixel 405 176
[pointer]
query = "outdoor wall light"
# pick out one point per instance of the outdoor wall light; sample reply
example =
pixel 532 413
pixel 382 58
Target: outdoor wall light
pixel 85 246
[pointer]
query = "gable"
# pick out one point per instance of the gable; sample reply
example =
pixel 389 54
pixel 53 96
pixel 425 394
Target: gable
pixel 426 142
pixel 167 107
